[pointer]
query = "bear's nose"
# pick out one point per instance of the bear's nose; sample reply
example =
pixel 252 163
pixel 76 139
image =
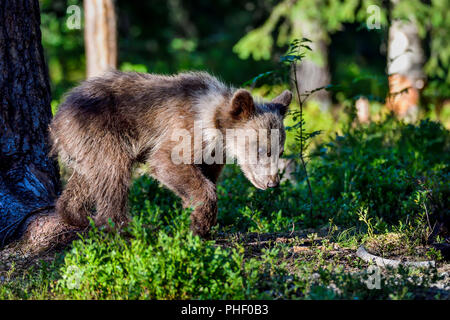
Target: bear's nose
pixel 273 183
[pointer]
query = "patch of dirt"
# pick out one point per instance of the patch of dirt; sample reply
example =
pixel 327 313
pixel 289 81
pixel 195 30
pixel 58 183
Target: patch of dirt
pixel 14 261
pixel 306 245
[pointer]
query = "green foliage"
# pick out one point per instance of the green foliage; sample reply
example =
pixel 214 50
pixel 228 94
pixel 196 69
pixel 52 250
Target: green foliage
pixel 155 36
pixel 37 282
pixel 324 20
pixel 392 170
pixel 244 208
pixel 158 258
pixel 375 178
pixel 154 265
pixel 64 48
pixel 382 166
pixel 295 20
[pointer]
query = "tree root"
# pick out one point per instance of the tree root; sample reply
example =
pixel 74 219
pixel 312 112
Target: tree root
pixel 382 262
pixel 44 231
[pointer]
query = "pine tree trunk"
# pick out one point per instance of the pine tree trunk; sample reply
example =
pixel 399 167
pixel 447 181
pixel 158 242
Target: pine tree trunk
pixel 29 179
pixel 405 69
pixel 314 74
pixel 100 36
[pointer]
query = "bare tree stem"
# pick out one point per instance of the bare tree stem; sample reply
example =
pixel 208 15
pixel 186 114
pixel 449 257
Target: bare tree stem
pixel 300 102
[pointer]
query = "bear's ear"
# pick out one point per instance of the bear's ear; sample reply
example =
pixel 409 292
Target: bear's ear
pixel 283 101
pixel 242 105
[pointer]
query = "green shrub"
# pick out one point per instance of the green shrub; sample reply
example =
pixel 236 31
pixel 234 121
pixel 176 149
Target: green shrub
pixel 380 166
pixel 392 172
pixel 383 166
pixel 158 259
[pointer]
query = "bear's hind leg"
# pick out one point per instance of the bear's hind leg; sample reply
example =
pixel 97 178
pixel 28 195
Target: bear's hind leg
pixel 75 202
pixel 111 197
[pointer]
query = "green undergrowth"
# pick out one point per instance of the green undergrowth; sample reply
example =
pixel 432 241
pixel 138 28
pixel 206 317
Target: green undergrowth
pixel 386 177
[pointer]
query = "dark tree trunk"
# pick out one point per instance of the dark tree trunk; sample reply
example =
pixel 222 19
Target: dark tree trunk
pixel 29 179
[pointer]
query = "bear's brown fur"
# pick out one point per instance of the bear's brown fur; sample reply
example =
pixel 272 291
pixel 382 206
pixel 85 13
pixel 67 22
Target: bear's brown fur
pixel 108 123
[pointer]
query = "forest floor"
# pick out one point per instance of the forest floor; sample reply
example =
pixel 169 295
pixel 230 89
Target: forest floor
pixel 295 251
pixel 315 246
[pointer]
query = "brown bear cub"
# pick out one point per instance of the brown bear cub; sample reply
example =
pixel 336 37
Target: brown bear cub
pixel 109 123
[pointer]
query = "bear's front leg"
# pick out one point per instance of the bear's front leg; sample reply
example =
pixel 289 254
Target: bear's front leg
pixel 204 203
pixel 193 187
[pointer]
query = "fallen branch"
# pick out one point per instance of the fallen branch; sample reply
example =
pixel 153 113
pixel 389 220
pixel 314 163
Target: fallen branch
pixel 382 262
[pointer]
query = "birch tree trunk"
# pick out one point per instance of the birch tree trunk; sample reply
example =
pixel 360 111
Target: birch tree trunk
pixel 29 179
pixel 100 36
